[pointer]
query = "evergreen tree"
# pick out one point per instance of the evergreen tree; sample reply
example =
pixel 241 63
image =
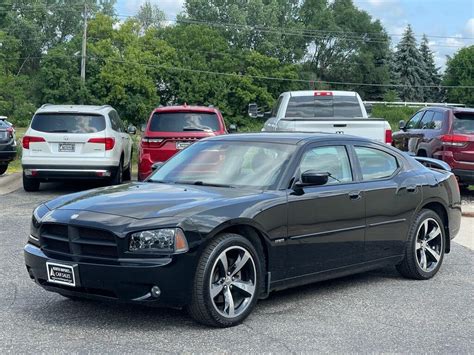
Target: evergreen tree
pixel 410 68
pixel 432 76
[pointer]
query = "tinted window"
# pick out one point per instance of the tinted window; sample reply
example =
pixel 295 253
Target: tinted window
pixel 184 121
pixel 323 106
pixel 375 164
pixel 244 164
pixel 333 160
pixel 413 123
pixel 115 121
pixel 426 120
pixel 67 123
pixel 463 123
pixel 437 122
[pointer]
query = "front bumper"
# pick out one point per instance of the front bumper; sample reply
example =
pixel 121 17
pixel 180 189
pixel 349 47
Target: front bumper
pixel 53 172
pixel 127 281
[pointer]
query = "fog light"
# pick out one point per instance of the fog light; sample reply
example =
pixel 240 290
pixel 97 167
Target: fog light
pixel 104 174
pixel 155 291
pixel 31 172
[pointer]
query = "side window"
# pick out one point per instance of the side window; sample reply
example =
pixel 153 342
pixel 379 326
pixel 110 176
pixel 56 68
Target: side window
pixel 413 123
pixel 332 159
pixel 115 121
pixel 427 120
pixel 375 164
pixel 437 122
pixel 277 106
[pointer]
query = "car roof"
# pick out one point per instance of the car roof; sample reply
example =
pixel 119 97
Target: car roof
pixel 288 137
pixel 186 108
pixel 88 109
pixel 3 117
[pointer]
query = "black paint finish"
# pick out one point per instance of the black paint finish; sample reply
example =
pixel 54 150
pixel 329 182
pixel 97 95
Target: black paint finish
pixel 308 234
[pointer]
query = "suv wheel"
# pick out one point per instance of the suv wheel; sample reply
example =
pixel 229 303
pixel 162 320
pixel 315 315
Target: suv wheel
pixel 227 282
pixel 30 185
pixel 424 250
pixel 3 168
pixel 117 179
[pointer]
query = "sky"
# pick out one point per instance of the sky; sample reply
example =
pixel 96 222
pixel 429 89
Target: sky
pixel 449 24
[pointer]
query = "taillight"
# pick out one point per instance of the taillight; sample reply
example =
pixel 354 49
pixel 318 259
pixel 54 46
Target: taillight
pixel 388 136
pixel 454 140
pixel 11 131
pixel 108 142
pixel 151 141
pixel 30 139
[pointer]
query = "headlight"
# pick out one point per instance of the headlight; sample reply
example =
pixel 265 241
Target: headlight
pixel 169 240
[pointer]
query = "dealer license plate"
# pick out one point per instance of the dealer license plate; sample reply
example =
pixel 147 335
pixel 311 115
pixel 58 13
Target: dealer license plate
pixel 61 274
pixel 67 147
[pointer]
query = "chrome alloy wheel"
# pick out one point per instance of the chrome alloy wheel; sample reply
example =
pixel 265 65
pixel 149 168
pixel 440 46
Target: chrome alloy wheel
pixel 429 244
pixel 232 282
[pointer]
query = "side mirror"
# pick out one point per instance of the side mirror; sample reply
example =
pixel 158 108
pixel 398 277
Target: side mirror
pixel 253 110
pixel 402 125
pixel 232 128
pixel 313 178
pixel 157 166
pixel 132 129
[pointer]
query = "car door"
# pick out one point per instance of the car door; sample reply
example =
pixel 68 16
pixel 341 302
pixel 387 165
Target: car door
pixel 325 223
pixel 127 141
pixel 117 132
pixel 391 197
pixel 403 139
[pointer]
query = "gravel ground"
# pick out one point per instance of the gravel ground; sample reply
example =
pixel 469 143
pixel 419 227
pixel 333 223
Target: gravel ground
pixel 371 312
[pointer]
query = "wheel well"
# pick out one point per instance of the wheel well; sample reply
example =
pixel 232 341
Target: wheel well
pixel 253 235
pixel 440 210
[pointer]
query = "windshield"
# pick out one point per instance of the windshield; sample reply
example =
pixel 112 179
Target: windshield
pixel 68 123
pixel 227 164
pixel 463 122
pixel 184 122
pixel 307 107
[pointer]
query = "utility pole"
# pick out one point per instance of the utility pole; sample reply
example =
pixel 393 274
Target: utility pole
pixel 84 47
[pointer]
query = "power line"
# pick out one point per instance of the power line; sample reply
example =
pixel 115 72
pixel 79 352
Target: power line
pixel 256 77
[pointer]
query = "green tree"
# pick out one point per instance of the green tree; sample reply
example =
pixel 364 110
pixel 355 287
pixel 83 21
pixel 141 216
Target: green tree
pixel 409 65
pixel 150 16
pixel 460 72
pixel 432 77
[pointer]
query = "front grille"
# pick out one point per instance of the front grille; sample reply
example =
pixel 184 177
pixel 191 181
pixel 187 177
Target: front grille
pixel 66 242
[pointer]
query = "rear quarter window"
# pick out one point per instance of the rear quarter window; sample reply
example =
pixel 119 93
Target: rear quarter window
pixel 68 123
pixel 375 164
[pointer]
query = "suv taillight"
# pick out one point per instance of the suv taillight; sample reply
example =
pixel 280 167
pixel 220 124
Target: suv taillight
pixel 11 131
pixel 108 142
pixel 147 142
pixel 30 139
pixel 454 140
pixel 388 136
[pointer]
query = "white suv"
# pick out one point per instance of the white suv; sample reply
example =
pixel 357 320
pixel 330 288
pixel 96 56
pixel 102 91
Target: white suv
pixel 76 142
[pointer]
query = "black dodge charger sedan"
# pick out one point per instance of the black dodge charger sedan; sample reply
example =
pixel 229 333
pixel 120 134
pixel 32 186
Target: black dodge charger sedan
pixel 232 218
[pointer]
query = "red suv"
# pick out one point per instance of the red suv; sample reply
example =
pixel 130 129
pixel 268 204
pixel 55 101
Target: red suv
pixel 173 128
pixel 443 133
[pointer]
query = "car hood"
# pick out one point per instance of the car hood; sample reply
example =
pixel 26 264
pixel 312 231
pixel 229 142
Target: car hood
pixel 149 200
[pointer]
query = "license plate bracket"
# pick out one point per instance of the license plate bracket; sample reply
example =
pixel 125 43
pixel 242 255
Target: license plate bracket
pixel 61 274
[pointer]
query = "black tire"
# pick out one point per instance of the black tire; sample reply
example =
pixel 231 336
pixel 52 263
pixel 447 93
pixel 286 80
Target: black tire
pixel 30 185
pixel 3 168
pixel 203 308
pixel 117 179
pixel 127 174
pixel 411 267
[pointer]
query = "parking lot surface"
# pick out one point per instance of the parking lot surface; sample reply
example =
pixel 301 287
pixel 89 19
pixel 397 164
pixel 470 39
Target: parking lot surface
pixel 372 312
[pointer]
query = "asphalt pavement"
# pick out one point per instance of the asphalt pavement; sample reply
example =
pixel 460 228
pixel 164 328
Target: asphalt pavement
pixel 372 312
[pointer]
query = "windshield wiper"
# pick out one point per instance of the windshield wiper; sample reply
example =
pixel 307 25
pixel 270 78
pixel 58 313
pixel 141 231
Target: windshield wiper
pixel 202 183
pixel 197 129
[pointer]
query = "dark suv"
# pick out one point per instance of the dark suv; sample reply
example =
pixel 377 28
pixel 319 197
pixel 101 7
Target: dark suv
pixel 7 145
pixel 443 133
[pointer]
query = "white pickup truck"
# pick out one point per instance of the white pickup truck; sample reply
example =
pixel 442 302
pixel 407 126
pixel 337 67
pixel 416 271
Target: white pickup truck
pixel 324 111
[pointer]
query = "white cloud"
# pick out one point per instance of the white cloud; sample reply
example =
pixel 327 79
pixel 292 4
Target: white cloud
pixel 469 27
pixel 455 41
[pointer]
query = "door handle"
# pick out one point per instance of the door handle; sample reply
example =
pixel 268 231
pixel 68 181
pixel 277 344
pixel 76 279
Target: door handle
pixel 355 195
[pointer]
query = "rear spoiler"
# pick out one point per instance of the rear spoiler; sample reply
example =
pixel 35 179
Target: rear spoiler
pixel 432 163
